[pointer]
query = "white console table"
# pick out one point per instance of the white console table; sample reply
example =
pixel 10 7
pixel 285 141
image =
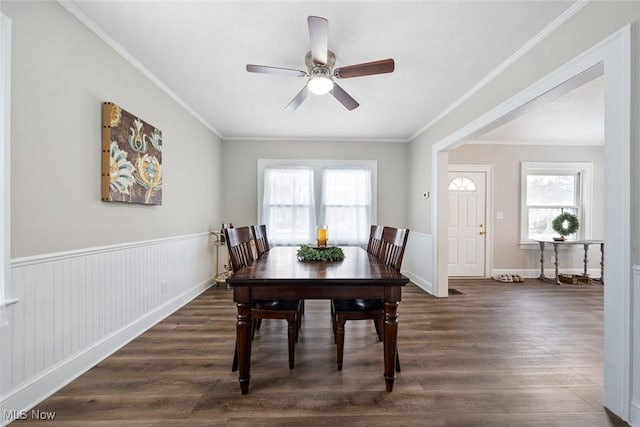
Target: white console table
pixel 558 243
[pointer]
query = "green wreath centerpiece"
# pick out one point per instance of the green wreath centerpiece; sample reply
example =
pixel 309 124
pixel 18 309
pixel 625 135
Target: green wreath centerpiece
pixel 330 254
pixel 565 224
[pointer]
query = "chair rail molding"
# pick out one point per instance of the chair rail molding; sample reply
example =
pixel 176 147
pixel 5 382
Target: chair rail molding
pixel 76 308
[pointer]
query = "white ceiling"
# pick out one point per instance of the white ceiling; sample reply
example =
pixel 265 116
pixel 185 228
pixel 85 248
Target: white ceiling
pixel 199 49
pixel 576 118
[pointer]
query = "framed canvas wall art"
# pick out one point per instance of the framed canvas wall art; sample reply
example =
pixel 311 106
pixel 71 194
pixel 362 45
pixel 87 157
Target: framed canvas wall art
pixel 131 158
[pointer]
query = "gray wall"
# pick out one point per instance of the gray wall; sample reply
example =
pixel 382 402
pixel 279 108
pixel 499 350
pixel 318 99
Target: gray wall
pixel 241 165
pixel 506 159
pixel 61 74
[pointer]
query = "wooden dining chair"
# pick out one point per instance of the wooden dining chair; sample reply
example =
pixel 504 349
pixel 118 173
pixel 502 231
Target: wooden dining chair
pixel 260 237
pixel 373 247
pixel 239 245
pixel 391 252
pixel 262 246
pixel 375 240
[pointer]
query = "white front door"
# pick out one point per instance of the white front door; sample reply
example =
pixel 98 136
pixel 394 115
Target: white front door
pixel 467 223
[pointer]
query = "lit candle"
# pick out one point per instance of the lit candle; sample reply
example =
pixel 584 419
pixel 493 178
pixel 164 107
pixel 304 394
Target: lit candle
pixel 322 236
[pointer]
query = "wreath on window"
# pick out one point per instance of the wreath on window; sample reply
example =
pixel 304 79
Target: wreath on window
pixel 565 224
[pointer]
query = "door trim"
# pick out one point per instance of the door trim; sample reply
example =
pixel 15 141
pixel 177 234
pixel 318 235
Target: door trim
pixel 488 208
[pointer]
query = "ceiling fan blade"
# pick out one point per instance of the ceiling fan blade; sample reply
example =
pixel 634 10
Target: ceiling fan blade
pixel 319 35
pixel 366 69
pixel 275 70
pixel 344 98
pixel 298 99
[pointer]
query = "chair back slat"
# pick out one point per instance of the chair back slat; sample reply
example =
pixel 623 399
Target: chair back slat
pixel 260 236
pixel 394 242
pixel 239 246
pixel 375 240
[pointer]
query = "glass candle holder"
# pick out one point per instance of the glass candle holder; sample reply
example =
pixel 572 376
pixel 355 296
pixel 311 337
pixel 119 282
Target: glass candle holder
pixel 321 235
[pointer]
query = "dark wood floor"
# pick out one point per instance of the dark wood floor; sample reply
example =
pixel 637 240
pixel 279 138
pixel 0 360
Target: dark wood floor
pixel 528 354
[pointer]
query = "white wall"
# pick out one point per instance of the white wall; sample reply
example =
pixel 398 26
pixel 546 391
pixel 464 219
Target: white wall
pixel 92 275
pixel 417 263
pixel 635 402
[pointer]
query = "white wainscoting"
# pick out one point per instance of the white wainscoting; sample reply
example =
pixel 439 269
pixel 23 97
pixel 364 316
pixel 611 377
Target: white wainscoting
pixel 76 308
pixel 418 260
pixel 634 413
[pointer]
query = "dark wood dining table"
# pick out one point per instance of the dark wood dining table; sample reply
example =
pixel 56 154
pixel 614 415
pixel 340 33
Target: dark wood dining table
pixel 278 274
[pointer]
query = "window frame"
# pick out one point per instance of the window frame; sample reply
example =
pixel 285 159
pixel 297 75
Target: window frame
pixel 318 166
pixel 584 193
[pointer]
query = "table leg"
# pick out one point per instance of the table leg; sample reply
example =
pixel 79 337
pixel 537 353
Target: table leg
pixel 602 263
pixel 541 261
pixel 586 259
pixel 556 263
pixel 390 342
pixel 244 329
pixel 339 338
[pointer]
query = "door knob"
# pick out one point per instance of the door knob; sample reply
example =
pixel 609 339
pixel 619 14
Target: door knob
pixel 483 232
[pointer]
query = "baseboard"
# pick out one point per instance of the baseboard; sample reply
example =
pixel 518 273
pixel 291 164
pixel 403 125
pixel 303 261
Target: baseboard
pixel 420 282
pixel 53 379
pixel 634 413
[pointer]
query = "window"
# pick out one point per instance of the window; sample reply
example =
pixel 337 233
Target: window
pixel 462 183
pixel 346 204
pixel 296 195
pixel 288 205
pixel 549 189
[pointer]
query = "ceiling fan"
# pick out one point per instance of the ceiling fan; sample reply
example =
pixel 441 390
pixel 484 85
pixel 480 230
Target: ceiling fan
pixel 320 61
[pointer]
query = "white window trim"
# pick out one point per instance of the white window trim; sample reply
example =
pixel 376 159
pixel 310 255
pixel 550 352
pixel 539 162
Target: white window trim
pixel 318 166
pixel 585 169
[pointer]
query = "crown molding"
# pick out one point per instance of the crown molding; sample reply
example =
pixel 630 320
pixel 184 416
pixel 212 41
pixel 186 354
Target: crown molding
pixel 554 25
pixel 97 30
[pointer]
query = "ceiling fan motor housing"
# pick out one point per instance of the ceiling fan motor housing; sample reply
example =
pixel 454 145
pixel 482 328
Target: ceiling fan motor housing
pixel 318 68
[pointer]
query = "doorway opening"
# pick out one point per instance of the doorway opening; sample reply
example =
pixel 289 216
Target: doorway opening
pixel 612 55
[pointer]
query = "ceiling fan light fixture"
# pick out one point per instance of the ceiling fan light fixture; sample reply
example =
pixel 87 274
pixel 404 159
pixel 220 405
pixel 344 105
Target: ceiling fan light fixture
pixel 320 84
pixel 320 62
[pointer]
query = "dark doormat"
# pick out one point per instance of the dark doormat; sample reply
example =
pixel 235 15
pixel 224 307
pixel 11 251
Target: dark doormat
pixel 453 291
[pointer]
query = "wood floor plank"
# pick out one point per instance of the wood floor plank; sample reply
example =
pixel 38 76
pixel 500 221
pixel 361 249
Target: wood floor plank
pixel 526 354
